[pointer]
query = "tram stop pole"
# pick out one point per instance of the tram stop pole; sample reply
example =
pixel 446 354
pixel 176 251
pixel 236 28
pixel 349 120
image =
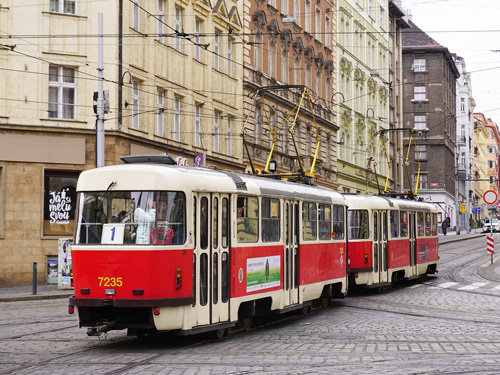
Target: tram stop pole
pixel 492 249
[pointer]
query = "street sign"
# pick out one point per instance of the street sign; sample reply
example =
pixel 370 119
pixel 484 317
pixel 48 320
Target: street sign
pixel 490 197
pixel 490 245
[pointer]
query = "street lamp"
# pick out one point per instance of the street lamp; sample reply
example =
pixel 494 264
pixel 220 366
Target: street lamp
pixel 120 96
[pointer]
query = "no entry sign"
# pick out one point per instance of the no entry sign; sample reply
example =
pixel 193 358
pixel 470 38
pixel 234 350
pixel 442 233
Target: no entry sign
pixel 490 197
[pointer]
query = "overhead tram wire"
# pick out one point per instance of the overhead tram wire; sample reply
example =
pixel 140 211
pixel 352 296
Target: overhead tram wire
pixel 154 94
pixel 155 35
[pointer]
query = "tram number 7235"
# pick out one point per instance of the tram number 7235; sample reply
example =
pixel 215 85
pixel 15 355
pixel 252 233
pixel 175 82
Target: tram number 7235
pixel 110 281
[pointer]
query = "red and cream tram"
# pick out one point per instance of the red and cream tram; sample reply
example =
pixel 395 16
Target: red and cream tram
pixel 161 247
pixel 390 239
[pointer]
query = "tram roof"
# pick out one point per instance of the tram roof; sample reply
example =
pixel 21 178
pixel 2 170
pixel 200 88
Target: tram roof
pixel 378 202
pixel 149 177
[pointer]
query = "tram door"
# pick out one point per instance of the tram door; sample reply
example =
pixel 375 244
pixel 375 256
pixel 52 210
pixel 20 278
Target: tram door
pixel 412 232
pixel 384 274
pixel 211 259
pixel 291 253
pixel 380 247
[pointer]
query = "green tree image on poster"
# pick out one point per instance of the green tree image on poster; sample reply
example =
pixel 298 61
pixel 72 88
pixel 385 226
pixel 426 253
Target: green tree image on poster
pixel 263 273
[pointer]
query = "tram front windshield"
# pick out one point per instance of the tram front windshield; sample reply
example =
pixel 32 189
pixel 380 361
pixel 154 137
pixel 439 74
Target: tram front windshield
pixel 131 217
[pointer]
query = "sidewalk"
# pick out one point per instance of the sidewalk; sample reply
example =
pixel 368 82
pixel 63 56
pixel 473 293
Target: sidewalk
pixel 25 293
pixel 452 236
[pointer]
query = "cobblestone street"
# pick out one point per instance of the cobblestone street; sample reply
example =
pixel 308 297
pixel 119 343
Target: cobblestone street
pixel 441 325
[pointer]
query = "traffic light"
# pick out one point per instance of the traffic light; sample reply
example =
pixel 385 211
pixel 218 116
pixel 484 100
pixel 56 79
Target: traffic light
pixel 492 179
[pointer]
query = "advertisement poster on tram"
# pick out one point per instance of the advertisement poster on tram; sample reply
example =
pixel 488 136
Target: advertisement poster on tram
pixel 263 273
pixel 65 264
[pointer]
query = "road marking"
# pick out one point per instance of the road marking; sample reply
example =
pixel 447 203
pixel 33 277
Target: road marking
pixel 446 285
pixel 417 286
pixel 497 287
pixel 473 286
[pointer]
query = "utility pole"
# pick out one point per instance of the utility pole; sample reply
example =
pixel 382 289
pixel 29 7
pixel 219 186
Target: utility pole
pixel 100 100
pixel 120 63
pixel 457 203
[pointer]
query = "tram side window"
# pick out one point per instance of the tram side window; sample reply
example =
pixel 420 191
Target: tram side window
pixel 358 224
pixel 204 222
pixel 420 224
pixel 394 218
pixel 309 221
pixel 225 222
pixel 195 217
pixel 270 220
pixel 427 224
pixel 338 223
pixel 434 225
pixel 403 221
pixel 248 219
pixel 203 279
pixel 225 277
pixel 325 221
pixel 194 280
pixel 215 222
pixel 171 217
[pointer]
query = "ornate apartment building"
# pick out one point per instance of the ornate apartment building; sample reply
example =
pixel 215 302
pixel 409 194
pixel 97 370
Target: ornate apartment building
pixel 362 95
pixel 292 46
pixel 172 77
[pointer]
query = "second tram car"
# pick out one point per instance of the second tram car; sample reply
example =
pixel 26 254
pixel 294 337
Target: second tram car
pixel 160 247
pixel 390 239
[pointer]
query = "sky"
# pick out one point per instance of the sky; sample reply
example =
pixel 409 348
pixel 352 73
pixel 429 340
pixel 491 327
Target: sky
pixel 470 29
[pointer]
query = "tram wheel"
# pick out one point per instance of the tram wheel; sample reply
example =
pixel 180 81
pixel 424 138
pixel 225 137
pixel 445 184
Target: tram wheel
pixel 221 333
pixel 325 302
pixel 246 323
pixel 306 309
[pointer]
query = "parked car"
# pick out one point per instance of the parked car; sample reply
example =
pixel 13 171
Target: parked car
pixel 493 223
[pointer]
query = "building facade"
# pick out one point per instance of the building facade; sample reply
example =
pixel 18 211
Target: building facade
pixel 398 20
pixel 465 142
pixel 430 115
pixel 172 75
pixel 492 159
pixel 291 48
pixel 363 94
pixel 482 180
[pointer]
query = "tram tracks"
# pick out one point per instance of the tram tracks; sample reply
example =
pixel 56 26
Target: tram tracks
pixel 455 262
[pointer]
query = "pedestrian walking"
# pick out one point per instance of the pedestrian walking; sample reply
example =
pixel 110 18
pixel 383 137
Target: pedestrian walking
pixel 444 226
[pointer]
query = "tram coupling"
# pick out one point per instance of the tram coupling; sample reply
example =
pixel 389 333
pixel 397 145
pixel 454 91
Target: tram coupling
pixel 101 328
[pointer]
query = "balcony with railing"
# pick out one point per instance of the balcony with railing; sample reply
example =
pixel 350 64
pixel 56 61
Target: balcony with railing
pixel 461 171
